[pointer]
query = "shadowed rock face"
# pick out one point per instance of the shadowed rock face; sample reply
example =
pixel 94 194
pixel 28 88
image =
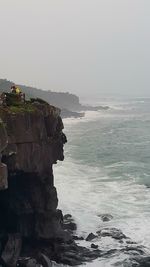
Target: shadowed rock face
pixel 3 167
pixel 35 143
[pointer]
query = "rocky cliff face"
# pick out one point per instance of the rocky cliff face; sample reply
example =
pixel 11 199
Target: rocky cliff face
pixel 3 167
pixel 31 141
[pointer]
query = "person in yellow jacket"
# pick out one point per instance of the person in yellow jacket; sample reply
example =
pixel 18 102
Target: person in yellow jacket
pixel 15 90
pixel 18 90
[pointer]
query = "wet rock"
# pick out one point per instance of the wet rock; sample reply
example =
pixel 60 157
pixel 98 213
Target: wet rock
pixel 79 256
pixel 71 226
pixel 12 250
pixel 130 242
pixel 73 254
pixel 112 232
pixel 94 246
pixel 90 237
pixel 106 217
pixel 67 217
pixel 75 237
pixel 110 252
pixel 133 250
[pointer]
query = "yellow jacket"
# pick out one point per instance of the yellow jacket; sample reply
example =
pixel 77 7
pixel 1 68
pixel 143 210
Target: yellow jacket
pixel 18 90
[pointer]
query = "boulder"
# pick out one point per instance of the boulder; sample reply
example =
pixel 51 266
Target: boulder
pixel 105 217
pixel 112 232
pixel 90 237
pixel 94 246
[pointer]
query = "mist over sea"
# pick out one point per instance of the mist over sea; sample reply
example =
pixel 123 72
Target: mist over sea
pixel 107 171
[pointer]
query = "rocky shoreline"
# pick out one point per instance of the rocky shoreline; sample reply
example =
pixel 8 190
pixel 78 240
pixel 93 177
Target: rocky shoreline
pixel 80 112
pixel 69 252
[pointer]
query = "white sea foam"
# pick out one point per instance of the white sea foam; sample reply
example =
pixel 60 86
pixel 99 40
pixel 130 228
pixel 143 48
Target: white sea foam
pixel 87 192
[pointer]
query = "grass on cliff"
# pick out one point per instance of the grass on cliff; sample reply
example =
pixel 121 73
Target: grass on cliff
pixel 18 108
pixel 22 108
pixel 14 104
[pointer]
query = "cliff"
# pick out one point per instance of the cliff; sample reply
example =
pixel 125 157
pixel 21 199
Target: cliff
pixel 31 141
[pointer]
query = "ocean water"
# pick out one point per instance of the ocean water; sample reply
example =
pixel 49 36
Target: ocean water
pixel 107 171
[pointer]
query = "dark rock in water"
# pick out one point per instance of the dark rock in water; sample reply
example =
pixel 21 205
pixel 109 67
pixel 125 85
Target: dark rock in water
pixel 110 252
pixel 76 255
pixel 130 242
pixel 67 217
pixel 70 226
pixel 133 250
pixel 75 237
pixel 90 237
pixel 94 246
pixel 112 232
pixel 106 217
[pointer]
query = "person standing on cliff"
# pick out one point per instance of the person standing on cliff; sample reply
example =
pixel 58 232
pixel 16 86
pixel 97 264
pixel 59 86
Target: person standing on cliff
pixel 16 90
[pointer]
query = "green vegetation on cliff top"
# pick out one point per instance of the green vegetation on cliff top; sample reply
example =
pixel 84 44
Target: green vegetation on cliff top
pixel 13 105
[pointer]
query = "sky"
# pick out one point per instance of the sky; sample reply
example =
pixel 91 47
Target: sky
pixel 81 46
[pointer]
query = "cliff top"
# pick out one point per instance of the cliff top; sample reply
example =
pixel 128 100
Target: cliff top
pixel 11 105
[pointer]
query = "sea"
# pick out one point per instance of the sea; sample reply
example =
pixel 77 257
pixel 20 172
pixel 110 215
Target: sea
pixel 107 171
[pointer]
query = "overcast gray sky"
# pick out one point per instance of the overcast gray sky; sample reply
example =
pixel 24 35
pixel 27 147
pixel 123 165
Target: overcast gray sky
pixel 94 46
